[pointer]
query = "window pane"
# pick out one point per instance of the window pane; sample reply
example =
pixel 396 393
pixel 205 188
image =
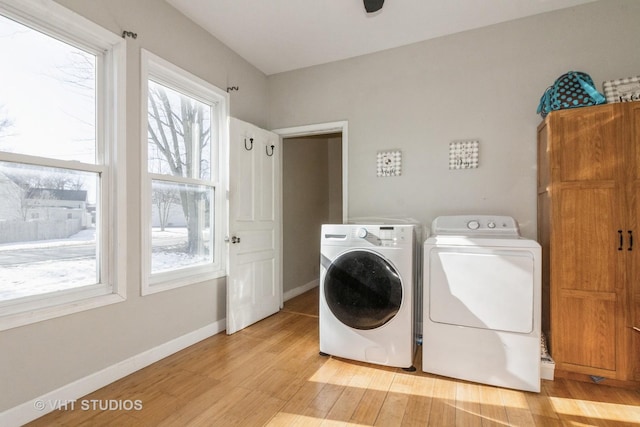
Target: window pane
pixel 181 220
pixel 179 134
pixel 48 108
pixel 47 230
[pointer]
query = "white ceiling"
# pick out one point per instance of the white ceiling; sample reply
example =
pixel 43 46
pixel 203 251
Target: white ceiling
pixel 283 35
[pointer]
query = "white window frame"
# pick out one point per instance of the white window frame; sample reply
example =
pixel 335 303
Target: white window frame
pixel 58 22
pixel 164 72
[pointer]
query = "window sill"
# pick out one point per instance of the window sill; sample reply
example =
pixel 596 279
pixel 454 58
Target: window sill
pixel 167 281
pixel 46 313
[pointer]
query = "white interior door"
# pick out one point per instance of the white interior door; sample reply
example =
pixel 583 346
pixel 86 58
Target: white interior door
pixel 254 289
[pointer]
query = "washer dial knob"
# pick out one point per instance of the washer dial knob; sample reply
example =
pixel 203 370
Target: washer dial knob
pixel 473 225
pixel 362 232
pixel 491 224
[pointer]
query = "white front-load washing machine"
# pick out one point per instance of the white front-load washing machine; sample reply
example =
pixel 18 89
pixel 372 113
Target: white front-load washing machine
pixel 368 282
pixel 482 302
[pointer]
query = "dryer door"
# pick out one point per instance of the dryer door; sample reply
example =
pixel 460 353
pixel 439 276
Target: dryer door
pixel 482 287
pixel 362 289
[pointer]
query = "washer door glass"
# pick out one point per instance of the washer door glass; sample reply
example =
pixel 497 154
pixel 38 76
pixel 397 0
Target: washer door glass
pixel 363 290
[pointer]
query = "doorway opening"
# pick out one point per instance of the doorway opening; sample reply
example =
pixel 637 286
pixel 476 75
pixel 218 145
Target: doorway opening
pixel 313 193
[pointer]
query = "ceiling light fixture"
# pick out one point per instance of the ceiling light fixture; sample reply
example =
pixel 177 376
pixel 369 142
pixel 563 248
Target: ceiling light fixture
pixel 373 5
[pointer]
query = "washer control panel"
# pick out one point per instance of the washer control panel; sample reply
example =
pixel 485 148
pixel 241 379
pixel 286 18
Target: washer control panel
pixel 498 225
pixel 362 232
pixel 382 235
pixel 359 235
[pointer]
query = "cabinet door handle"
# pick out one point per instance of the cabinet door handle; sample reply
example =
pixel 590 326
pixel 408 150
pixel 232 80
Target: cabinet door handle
pixel 621 242
pixel 630 240
pixel 636 329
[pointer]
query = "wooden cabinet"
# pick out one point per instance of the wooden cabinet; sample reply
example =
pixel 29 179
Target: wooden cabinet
pixel 633 197
pixel 588 202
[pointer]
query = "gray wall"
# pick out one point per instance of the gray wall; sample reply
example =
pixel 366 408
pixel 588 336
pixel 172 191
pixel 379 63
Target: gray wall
pixel 44 356
pixel 483 84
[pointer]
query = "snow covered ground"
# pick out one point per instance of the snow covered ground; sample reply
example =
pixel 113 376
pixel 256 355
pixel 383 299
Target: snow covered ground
pixel 35 278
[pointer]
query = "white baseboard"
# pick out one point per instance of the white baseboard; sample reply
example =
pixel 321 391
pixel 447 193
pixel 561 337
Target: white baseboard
pixel 36 408
pixel 300 289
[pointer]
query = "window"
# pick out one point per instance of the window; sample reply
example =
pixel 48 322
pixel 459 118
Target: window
pixel 183 193
pixel 60 101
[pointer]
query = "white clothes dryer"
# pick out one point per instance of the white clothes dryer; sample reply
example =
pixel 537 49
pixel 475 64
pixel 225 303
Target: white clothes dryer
pixel 482 302
pixel 368 280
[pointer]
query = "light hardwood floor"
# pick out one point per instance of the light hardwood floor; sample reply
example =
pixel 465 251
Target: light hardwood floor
pixel 271 374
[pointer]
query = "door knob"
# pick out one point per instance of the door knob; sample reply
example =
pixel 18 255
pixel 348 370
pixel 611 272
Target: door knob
pixel 235 239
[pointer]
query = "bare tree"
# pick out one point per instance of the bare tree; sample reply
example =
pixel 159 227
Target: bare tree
pixel 79 73
pixel 24 205
pixel 5 121
pixel 163 199
pixel 62 182
pixel 178 131
pixel 25 193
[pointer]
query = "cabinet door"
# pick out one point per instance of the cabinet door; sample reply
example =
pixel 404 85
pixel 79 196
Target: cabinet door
pixel 588 270
pixel 587 145
pixel 633 198
pixel 585 274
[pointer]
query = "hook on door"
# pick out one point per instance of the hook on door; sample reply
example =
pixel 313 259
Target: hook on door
pixel 250 147
pixel 266 148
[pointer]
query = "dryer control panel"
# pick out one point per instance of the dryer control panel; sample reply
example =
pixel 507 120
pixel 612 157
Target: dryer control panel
pixel 495 225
